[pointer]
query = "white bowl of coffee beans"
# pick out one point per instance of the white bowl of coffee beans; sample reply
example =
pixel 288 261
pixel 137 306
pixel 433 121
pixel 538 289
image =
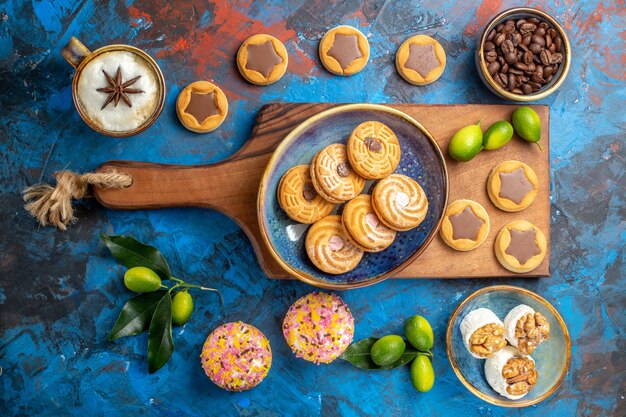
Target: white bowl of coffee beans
pixel 523 55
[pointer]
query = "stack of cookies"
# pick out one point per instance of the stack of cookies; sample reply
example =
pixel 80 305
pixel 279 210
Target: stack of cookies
pixel 337 174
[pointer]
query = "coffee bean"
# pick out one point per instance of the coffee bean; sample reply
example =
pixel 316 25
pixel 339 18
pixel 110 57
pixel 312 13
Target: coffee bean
pixel 517 91
pixel 504 80
pixel 533 20
pixel 511 83
pixel 489 46
pixel 528 57
pixel 507 47
pixel 493 67
pixel 531 68
pixel 530 27
pixel 548 41
pixel 500 38
pixel 549 78
pixel 538 40
pixel 552 48
pixel 547 72
pixel 505 68
pixel 543 25
pixel 527 89
pixel 511 58
pixel 557 58
pixel 535 86
pixel 515 71
pixel 491 35
pixel 535 48
pixel 552 33
pixel 526 40
pixel 499 27
pixel 513 37
pixel 497 80
pixel 558 43
pixel 540 32
pixel 521 66
pixel 491 56
pixel 545 56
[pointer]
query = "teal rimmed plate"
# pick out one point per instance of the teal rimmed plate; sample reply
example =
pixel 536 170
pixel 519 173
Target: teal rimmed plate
pixel 552 356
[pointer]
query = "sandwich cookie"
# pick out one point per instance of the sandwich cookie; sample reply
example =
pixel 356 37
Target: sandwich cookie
pixel 333 177
pixel 373 150
pixel 329 249
pixel 363 227
pixel 297 196
pixel 399 202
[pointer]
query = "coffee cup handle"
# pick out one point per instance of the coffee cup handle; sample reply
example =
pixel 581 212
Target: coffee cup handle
pixel 74 52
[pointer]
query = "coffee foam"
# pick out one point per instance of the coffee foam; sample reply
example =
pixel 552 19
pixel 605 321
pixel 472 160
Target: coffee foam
pixel 121 118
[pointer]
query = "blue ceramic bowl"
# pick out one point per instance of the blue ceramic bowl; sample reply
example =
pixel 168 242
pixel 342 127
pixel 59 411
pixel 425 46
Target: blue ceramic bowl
pixel 552 356
pixel 421 160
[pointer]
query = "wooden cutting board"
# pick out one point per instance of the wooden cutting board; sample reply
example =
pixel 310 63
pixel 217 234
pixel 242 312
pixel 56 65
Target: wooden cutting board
pixel 231 186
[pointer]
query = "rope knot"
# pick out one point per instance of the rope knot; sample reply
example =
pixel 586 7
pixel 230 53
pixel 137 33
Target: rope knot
pixel 53 205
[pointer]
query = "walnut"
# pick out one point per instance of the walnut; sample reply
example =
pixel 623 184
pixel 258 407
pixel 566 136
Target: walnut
pixel 530 331
pixel 520 374
pixel 487 340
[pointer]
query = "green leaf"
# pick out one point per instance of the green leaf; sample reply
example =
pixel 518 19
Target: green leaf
pixel 160 344
pixel 358 354
pixel 136 315
pixel 130 253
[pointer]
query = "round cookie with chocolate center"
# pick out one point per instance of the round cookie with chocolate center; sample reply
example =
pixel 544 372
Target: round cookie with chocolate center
pixel 297 196
pixel 512 186
pixel 373 150
pixel 344 50
pixel 400 202
pixel 262 59
pixel 363 227
pixel 329 249
pixel 465 225
pixel 201 107
pixel 420 60
pixel 520 246
pixel 333 177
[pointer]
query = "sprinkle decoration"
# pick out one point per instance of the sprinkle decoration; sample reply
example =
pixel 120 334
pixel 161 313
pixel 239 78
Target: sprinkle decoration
pixel 318 327
pixel 236 356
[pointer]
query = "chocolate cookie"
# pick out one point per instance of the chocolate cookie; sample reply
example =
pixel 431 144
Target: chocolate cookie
pixel 344 50
pixel 262 59
pixel 420 60
pixel 520 246
pixel 465 225
pixel 201 107
pixel 512 186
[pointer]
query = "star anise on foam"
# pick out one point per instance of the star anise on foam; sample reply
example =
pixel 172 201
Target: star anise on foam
pixel 118 90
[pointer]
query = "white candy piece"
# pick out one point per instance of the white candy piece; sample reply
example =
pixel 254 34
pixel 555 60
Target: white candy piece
pixel 494 366
pixel 118 118
pixel 510 322
pixel 473 321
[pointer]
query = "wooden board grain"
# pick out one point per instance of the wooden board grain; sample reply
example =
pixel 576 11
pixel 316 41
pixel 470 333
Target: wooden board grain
pixel 231 186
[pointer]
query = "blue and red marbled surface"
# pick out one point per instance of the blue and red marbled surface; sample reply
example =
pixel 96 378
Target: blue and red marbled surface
pixel 60 291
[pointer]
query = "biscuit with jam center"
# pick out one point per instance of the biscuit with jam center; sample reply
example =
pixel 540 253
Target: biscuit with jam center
pixel 344 50
pixel 333 177
pixel 465 225
pixel 298 198
pixel 201 107
pixel 520 246
pixel 329 249
pixel 512 186
pixel 373 150
pixel 420 60
pixel 262 59
pixel 363 227
pixel 400 202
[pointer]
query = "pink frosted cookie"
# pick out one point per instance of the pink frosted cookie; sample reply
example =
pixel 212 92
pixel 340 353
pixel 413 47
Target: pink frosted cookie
pixel 318 327
pixel 236 356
